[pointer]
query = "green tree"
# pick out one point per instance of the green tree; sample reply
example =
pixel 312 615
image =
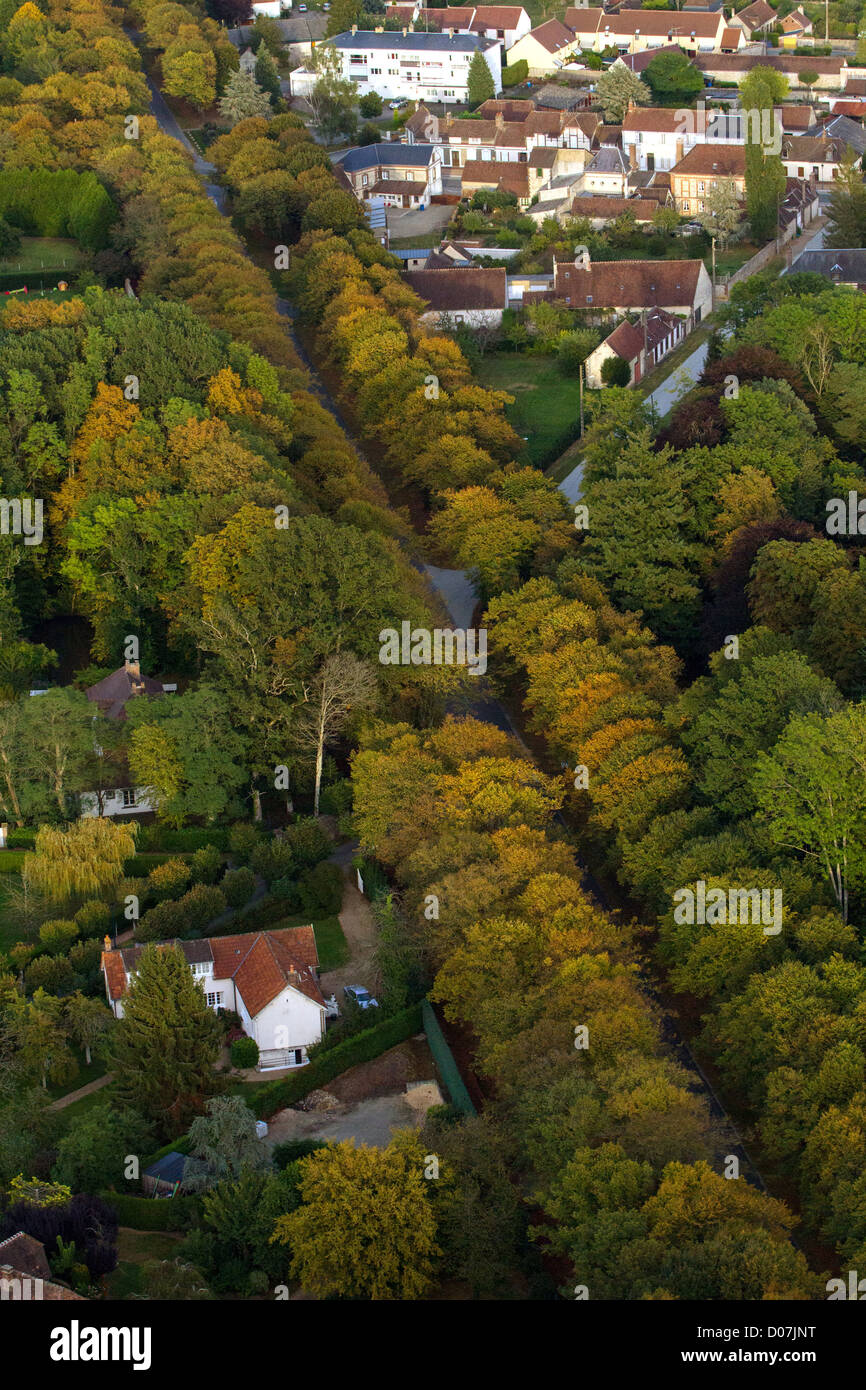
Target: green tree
pixel 722 211
pixel 616 87
pixel 266 75
pixel 673 78
pixel 242 98
pixel 480 86
pixel 164 1048
pixel 223 1144
pixel 88 1021
pixel 187 753
pixel 92 1153
pixel 847 207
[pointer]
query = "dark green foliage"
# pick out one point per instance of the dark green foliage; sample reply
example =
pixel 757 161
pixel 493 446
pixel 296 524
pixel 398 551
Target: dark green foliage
pixel 244 1053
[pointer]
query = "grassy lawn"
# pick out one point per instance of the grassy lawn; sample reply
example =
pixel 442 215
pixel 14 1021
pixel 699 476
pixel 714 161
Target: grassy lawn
pixel 134 1249
pixel 46 253
pixel 332 944
pixel 731 259
pixel 546 409
pixel 85 1074
pixel 95 1101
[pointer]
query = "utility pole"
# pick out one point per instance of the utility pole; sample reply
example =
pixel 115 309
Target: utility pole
pixel 713 240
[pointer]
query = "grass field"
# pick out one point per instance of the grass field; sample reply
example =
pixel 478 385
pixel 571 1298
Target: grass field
pixel 546 409
pixel 332 946
pixel 134 1249
pixel 47 253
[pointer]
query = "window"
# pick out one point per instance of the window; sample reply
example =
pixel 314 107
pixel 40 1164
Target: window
pixel 364 180
pixel 129 797
pixel 700 186
pixel 685 207
pixel 377 72
pixel 215 1001
pixel 589 299
pixel 357 58
pixel 201 967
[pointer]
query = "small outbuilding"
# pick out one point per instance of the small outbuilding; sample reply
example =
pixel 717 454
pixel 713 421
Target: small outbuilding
pixel 164 1177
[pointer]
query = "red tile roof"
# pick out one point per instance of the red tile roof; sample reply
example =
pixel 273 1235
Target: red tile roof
pixel 553 35
pixel 450 291
pixel 641 209
pixel 713 161
pixel 629 284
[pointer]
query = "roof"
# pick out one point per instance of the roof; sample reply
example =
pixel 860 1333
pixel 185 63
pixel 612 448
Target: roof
pixel 795 21
pixel 127 682
pixel 639 62
pixel 855 109
pixel 260 963
pixel 371 156
pixel 652 118
pixel 719 161
pixel 398 186
pixel 817 149
pixel 511 109
pixel 586 206
pixel 414 43
pixel 454 290
pixel 626 341
pixel 796 117
pixel 552 35
pixel 636 284
pixel 744 62
pixel 841 127
pixel 510 176
pixel 731 37
pixel 560 98
pixel 847 265
pixel 653 23
pixel 608 160
pixel 26 1255
pixel 169 1168
pixel 479 16
pixel 757 14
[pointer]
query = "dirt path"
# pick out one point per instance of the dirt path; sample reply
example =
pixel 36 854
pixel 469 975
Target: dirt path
pixel 359 929
pixel 96 1085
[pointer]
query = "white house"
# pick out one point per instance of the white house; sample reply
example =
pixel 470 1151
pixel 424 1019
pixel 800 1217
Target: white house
pixel 269 978
pixel 504 23
pixel 272 8
pixel 414 67
pixel 658 138
pixel 405 176
pixel 642 345
pixel 110 696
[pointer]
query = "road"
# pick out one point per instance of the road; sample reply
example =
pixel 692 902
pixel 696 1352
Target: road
pixel 455 590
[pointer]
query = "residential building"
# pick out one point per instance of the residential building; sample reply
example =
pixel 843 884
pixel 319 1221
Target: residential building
pixel 815 157
pixel 545 49
pixel 406 176
pixel 843 267
pixel 111 696
pixel 524 180
pixel 796 119
pixel 701 169
pixel 504 23
pixel 607 173
pixel 758 18
pixel 623 287
pixel 270 978
pixel 507 131
pixel 25 1274
pixel 475 298
pixel 795 27
pixel 733 67
pixel 408 66
pixel 842 127
pixel 642 345
pixel 599 211
pixel 633 31
pixel 658 137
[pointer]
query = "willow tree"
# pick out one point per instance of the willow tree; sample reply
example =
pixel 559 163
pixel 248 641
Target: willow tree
pixel 82 860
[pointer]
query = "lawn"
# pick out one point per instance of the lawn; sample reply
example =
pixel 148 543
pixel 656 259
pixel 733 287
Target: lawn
pixel 546 409
pixel 732 258
pixel 9 934
pixel 42 253
pixel 332 945
pixel 85 1074
pixel 134 1249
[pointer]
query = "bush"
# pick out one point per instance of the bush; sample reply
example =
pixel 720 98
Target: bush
pixel 369 134
pixel 615 371
pixel 10 239
pixel 284 1154
pixel 244 1053
pixel 201 904
pixel 573 349
pixel 185 840
pixel 168 880
pixel 205 864
pixel 239 886
pixel 272 859
pixel 336 800
pixel 93 919
pixel 54 974
pixel 147 1214
pixel 321 890
pixel 362 1047
pixel 169 919
pixel 309 842
pixel 58 936
pixel 370 104
pixel 243 839
pixel 513 74
pixel 286 889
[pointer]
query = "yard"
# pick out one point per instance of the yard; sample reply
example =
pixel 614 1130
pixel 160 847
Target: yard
pixel 46 255
pixel 134 1249
pixel 546 409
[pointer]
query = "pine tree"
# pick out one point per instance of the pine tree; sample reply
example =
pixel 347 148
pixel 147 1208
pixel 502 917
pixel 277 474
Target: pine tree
pixel 480 81
pixel 847 209
pixel 165 1046
pixel 267 76
pixel 244 97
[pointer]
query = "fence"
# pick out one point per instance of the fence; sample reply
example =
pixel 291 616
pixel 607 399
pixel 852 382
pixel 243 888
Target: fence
pixel 444 1059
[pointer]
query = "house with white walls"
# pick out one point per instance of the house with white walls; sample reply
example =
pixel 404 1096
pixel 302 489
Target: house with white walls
pixel 409 66
pixel 269 978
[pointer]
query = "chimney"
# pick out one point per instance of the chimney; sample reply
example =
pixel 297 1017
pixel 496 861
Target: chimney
pixel 106 942
pixel 133 668
pixel 405 32
pixel 632 157
pixel 679 152
pixel 499 120
pixel 355 29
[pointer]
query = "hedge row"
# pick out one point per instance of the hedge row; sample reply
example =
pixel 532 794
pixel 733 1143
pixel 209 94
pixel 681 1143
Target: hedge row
pixel 361 1047
pixel 154 1213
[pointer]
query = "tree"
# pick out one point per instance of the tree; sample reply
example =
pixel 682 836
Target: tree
pixel 615 371
pixel 343 683
pixel 164 1048
pixel 81 861
pixel 673 78
pixel 190 75
pixel 333 98
pixel 807 78
pixel 242 98
pixel 187 754
pixel 92 1153
pixel 722 210
pixel 367 1225
pixel 847 207
pixel 223 1144
pixel 370 105
pixel 266 75
pixel 479 82
pixel 760 93
pixel 616 87
pixel 810 791
pixel 88 1021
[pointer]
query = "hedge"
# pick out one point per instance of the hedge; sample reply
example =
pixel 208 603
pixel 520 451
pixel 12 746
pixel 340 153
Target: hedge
pixel 361 1047
pixel 515 73
pixel 154 1213
pixel 12 861
pixel 187 840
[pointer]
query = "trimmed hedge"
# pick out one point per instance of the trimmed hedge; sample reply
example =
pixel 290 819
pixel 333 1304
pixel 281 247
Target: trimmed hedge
pixel 12 861
pixel 154 1213
pixel 186 841
pixel 361 1047
pixel 515 73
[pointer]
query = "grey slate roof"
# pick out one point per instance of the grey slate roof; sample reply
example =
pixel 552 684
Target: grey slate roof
pixel 842 128
pixel 847 265
pixel 371 156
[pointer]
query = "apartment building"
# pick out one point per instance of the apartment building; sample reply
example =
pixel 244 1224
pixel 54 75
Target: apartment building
pixel 504 23
pixel 506 131
pixel 406 176
pixel 412 67
pixel 701 169
pixel 633 31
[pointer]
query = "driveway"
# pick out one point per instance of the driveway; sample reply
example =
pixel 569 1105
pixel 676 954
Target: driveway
pixel 410 222
pixel 359 929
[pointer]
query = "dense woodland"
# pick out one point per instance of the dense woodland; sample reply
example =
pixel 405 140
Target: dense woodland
pixel 218 513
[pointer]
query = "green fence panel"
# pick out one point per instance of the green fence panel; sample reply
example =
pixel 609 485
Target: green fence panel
pixel 444 1058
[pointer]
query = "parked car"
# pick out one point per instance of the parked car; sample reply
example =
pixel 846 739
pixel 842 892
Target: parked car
pixel 397 105
pixel 327 5
pixel 302 9
pixel 362 997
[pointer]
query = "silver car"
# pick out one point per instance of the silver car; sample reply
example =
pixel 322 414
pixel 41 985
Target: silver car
pixel 361 996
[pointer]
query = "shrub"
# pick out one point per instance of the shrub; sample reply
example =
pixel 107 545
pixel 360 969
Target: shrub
pixel 161 923
pixel 93 919
pixel 284 1154
pixel 58 936
pixel 286 889
pixel 615 371
pixel 370 104
pixel 145 1214
pixel 244 1053
pixel 243 839
pixel 54 974
pixel 239 886
pixel 272 859
pixel 309 842
pixel 573 349
pixel 84 957
pixel 201 904
pixel 168 880
pixel 321 890
pixel 513 74
pixel 258 1283
pixel 336 800
pixel 205 864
